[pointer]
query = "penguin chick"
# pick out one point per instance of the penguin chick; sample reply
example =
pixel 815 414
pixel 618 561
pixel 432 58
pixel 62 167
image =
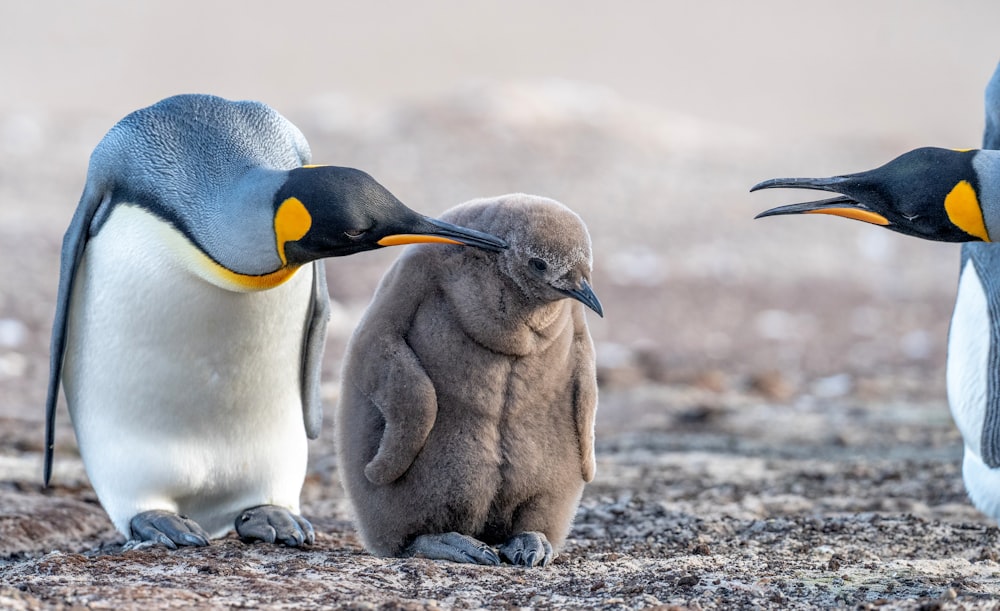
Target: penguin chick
pixel 191 315
pixel 466 417
pixel 951 196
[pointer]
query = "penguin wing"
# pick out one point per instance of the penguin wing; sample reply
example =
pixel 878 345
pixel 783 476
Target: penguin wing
pixel 991 136
pixel 92 209
pixel 392 377
pixel 986 259
pixel 584 393
pixel 312 352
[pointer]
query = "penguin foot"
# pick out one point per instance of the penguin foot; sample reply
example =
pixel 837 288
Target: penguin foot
pixel 273 524
pixel 452 546
pixel 527 549
pixel 168 529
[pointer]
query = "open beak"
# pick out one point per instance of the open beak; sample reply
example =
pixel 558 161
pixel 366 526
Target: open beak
pixel 586 296
pixel 428 229
pixel 841 205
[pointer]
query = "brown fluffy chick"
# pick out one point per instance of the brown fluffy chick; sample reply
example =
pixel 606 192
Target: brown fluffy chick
pixel 466 417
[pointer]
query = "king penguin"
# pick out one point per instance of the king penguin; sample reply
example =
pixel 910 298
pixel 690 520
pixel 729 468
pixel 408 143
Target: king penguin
pixel 191 315
pixel 466 419
pixel 951 196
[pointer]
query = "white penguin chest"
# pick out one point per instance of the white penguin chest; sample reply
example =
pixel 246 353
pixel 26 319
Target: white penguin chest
pixel 154 347
pixel 968 357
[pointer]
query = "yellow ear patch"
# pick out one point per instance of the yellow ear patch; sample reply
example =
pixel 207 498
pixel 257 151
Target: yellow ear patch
pixel 291 222
pixel 964 211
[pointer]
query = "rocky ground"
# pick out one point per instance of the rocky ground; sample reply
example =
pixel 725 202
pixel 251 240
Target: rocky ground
pixel 772 431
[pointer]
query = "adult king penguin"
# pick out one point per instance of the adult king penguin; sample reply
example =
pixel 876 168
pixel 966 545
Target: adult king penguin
pixel 950 196
pixel 192 310
pixel 466 418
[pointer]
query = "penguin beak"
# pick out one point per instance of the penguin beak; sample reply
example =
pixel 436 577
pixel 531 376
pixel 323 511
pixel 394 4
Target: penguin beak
pixel 430 230
pixel 586 296
pixel 841 205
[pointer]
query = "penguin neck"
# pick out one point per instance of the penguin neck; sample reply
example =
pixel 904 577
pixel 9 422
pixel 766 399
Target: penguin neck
pixel 233 225
pixel 192 256
pixel 497 314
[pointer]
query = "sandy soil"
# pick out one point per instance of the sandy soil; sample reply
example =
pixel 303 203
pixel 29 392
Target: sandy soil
pixel 773 430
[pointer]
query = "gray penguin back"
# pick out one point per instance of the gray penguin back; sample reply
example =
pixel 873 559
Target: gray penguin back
pixel 206 165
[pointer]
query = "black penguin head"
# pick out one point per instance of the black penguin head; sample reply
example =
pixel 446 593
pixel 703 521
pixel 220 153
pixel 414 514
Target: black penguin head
pixel 329 211
pixel 930 193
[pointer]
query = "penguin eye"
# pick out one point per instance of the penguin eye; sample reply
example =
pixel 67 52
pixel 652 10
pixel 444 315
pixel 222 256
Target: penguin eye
pixel 355 233
pixel 538 265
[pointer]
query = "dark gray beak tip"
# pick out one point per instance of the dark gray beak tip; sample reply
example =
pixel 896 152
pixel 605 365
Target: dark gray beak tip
pixel 771 212
pixel 469 237
pixel 585 295
pixel 814 184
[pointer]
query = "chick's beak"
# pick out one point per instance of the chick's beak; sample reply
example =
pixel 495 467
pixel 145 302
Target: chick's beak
pixel 585 295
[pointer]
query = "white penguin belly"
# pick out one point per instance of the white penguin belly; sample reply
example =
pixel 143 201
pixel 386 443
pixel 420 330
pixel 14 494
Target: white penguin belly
pixel 184 396
pixel 967 381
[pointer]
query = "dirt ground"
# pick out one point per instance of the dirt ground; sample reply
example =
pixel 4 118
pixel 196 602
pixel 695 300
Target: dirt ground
pixel 773 430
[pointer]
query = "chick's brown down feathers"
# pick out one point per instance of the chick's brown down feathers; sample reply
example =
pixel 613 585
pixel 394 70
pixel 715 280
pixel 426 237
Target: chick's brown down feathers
pixel 469 388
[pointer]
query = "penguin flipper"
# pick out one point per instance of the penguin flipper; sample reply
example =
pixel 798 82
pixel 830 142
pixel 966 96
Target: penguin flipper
pixel 991 136
pixel 584 394
pixel 408 402
pixel 82 227
pixel 312 352
pixel 986 257
pixel 392 378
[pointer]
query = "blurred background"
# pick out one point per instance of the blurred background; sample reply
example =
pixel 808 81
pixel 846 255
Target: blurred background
pixel 652 120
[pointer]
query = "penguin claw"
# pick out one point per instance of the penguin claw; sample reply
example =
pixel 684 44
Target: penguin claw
pixel 273 524
pixel 452 546
pixel 527 549
pixel 168 529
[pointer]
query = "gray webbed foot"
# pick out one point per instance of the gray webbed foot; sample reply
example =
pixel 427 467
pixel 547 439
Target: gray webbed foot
pixel 168 529
pixel 273 524
pixel 452 546
pixel 527 549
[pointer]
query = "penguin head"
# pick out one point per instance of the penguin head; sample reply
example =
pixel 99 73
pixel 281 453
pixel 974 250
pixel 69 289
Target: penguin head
pixel 549 258
pixel 932 193
pixel 552 275
pixel 329 211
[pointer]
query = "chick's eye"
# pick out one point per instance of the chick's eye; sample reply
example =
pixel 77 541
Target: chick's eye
pixel 538 265
pixel 355 233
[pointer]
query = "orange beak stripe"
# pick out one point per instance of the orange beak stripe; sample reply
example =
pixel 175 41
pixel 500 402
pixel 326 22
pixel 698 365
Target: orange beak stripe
pixel 854 213
pixel 409 238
